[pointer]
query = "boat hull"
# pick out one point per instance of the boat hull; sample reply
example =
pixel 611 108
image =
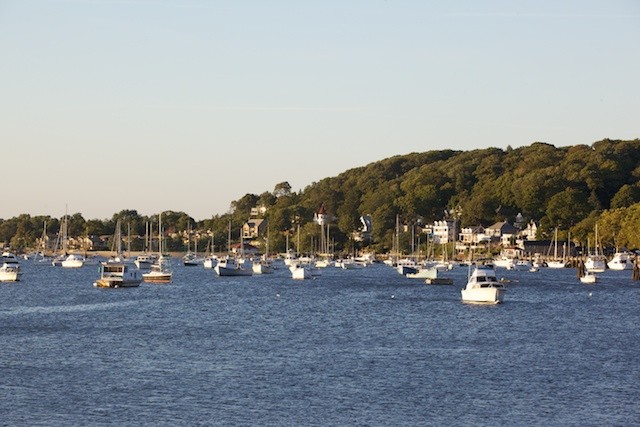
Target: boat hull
pixel 115 283
pixel 10 275
pixel 482 295
pixel 157 277
pixel 228 272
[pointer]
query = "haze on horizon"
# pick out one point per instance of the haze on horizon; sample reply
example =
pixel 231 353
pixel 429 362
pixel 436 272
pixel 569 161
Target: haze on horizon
pixel 188 105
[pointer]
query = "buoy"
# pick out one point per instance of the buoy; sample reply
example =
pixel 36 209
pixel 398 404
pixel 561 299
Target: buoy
pixel 590 294
pixel 393 296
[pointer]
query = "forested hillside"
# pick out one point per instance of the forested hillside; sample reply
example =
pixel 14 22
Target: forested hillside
pixel 565 187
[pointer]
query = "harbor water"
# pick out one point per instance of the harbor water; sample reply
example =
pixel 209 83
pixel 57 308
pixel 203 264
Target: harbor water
pixel 352 347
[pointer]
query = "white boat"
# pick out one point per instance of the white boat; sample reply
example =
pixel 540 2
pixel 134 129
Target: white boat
pixel 483 287
pixel 9 268
pixel 424 273
pixel 351 264
pixel 210 262
pixel 191 259
pixel 159 272
pixel 620 261
pixel 589 277
pixel 73 261
pixel 323 263
pixel 407 266
pixel 596 262
pixel 556 263
pixel 262 266
pixel 299 272
pixel 505 262
pixel 231 267
pixel 145 260
pixel 523 264
pixel 118 275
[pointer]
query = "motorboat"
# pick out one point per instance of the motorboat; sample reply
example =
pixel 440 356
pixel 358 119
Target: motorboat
pixel 483 287
pixel 596 263
pixel 262 266
pixel 407 266
pixel 299 272
pixel 424 273
pixel 145 260
pixel 589 277
pixel 118 275
pixel 192 260
pixel 10 272
pixel 620 261
pixel 210 261
pixel 159 272
pixel 73 261
pixel 231 267
pixel 505 262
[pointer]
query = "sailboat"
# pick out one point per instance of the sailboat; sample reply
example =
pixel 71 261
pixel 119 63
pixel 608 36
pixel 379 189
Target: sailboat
pixel 191 259
pixel 211 259
pixel 596 262
pixel 555 263
pixel 160 271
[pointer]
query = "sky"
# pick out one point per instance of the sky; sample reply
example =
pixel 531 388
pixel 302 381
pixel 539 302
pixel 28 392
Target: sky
pixel 188 105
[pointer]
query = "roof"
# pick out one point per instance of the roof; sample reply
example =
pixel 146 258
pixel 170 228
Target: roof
pixel 504 227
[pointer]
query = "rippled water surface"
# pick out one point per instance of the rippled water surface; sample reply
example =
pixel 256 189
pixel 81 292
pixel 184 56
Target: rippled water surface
pixel 355 347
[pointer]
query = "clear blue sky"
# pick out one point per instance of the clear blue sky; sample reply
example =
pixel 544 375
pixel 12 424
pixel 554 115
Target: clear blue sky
pixel 187 105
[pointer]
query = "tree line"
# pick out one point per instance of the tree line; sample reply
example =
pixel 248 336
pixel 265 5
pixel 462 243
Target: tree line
pixel 571 188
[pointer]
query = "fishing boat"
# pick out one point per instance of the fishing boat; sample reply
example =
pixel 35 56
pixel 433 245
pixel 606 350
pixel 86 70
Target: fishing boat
pixel 483 287
pixel 229 266
pixel 262 266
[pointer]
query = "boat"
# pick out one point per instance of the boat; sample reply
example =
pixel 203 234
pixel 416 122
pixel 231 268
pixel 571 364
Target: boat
pixel 424 273
pixel 145 260
pixel 118 274
pixel 73 261
pixel 596 262
pixel 160 270
pixel 407 266
pixel 300 272
pixel 9 267
pixel 556 263
pixel 505 262
pixel 262 266
pixel 483 287
pixel 620 261
pixel 9 273
pixel 229 266
pixel 589 277
pixel 210 261
pixel 191 259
